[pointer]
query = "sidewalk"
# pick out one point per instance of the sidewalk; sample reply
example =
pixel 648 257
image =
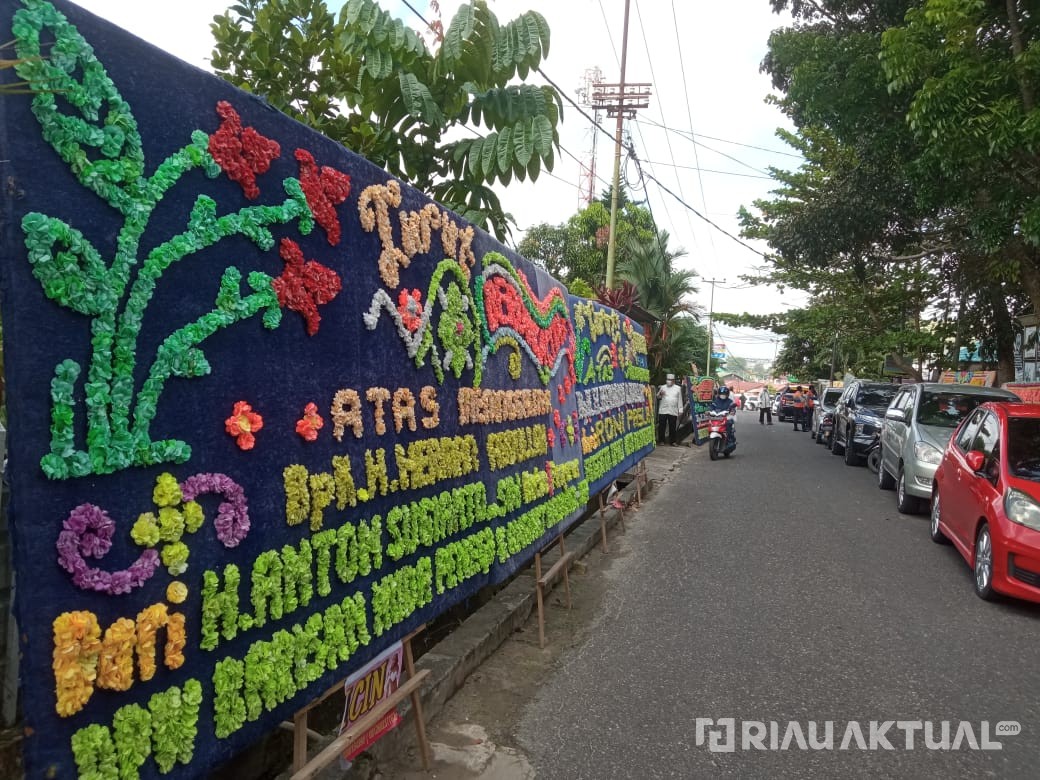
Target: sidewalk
pixel 459 654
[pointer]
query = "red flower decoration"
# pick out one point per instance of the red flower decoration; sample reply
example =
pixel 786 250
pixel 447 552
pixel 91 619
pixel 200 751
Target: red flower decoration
pixel 242 153
pixel 556 418
pixel 304 286
pixel 409 306
pixel 310 424
pixel 550 436
pixel 242 424
pixel 549 475
pixel 324 189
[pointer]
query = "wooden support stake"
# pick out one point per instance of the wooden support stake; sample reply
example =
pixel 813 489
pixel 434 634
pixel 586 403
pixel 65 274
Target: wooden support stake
pixel 420 722
pixel 542 581
pixel 603 521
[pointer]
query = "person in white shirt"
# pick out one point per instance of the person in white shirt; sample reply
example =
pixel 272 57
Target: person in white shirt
pixel 669 407
pixel 765 407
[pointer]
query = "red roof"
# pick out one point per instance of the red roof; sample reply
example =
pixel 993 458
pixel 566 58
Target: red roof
pixel 739 386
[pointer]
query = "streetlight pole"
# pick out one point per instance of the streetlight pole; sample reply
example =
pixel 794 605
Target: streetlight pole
pixel 711 311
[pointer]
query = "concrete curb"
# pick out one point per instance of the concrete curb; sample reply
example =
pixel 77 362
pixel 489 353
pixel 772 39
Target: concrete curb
pixel 460 653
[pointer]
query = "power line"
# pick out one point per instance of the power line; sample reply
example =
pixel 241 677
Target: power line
pixel 560 91
pixel 689 134
pixel 660 107
pixel 610 37
pixel 710 170
pixel 689 114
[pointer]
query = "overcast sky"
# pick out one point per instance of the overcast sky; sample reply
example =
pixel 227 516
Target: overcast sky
pixel 702 59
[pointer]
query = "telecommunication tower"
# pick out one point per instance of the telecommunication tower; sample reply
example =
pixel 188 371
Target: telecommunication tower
pixel 587 175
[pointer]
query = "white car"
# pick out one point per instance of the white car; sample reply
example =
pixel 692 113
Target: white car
pixel 917 426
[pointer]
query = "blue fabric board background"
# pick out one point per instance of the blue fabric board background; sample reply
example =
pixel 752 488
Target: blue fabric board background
pixel 277 371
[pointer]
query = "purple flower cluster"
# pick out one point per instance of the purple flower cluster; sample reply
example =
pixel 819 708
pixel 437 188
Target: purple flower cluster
pixel 232 521
pixel 87 533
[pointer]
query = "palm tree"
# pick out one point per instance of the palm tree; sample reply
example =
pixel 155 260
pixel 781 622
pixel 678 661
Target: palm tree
pixel 663 290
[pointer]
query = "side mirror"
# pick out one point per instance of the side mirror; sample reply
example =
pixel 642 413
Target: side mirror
pixel 896 414
pixel 975 459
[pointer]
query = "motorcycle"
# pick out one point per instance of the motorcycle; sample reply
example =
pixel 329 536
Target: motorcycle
pixel 719 442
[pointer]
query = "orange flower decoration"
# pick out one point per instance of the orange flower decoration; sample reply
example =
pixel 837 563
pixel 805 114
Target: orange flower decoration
pixel 311 423
pixel 409 306
pixel 242 424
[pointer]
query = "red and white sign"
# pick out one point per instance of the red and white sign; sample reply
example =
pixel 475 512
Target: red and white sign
pixel 365 689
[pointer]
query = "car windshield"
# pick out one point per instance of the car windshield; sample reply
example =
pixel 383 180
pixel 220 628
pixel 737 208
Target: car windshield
pixel 946 409
pixel 876 397
pixel 1023 447
pixel 830 397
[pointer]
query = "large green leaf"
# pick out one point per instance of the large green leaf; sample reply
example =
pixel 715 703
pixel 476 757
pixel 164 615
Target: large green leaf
pixel 505 150
pixel 91 127
pixel 543 135
pixel 488 154
pixel 459 30
pixel 418 100
pixel 523 141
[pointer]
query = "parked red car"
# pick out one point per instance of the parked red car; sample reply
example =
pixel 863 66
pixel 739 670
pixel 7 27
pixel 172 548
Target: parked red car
pixel 986 498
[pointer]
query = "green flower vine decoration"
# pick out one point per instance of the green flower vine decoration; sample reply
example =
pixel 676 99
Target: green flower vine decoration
pixel 94 131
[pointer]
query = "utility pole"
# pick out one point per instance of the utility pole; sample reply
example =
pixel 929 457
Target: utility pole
pixel 834 354
pixel 621 101
pixel 711 311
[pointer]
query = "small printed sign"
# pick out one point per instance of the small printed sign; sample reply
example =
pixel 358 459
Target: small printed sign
pixel 364 690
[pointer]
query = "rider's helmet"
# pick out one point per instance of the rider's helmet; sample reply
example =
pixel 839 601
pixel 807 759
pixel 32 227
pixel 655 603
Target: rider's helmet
pixel 724 391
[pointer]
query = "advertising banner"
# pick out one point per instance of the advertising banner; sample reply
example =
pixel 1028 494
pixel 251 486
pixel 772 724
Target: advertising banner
pixel 980 378
pixel 270 408
pixel 701 392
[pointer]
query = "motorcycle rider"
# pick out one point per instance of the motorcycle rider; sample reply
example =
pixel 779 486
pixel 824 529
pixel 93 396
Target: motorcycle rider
pixel 723 403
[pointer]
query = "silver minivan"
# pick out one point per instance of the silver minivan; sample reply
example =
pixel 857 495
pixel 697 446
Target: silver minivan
pixel 917 426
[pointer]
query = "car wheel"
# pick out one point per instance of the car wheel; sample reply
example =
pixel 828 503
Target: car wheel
pixel 836 449
pixel 851 458
pixel 934 530
pixel 874 460
pixel 884 479
pixel 983 566
pixel 905 503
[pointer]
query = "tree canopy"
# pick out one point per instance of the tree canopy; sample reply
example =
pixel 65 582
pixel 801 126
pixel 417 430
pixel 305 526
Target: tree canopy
pixel 914 220
pixel 370 82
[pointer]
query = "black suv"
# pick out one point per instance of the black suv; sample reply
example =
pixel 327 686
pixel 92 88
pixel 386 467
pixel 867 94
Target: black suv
pixel 857 418
pixel 785 410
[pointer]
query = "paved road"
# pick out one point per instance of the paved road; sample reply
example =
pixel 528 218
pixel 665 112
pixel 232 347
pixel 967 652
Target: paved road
pixel 783 585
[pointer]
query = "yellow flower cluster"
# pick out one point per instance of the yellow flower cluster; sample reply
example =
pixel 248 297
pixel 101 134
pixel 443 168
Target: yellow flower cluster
pixel 77 642
pixel 374 207
pixel 377 396
pixel 346 410
pixel 477 406
pixel 176 592
pixel 417 227
pixel 115 669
